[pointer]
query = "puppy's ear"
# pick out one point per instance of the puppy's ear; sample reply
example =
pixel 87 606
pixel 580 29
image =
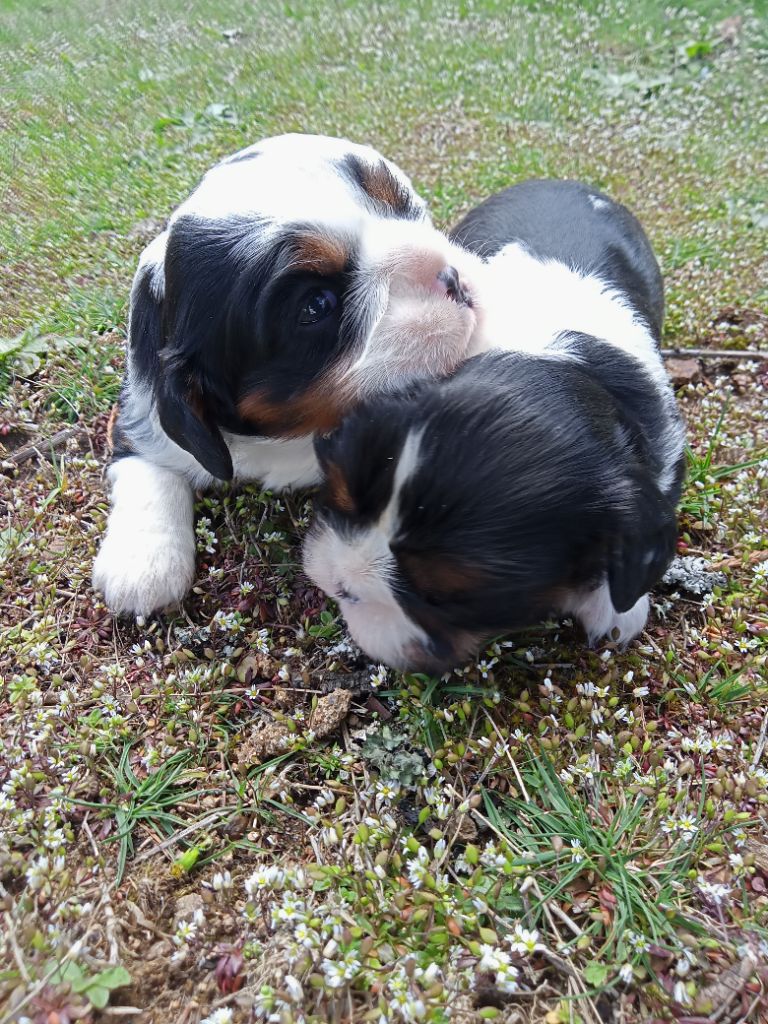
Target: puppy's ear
pixel 181 407
pixel 180 402
pixel 644 547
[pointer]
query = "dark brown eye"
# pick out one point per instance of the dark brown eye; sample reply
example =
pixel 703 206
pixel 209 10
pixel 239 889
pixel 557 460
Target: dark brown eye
pixel 319 304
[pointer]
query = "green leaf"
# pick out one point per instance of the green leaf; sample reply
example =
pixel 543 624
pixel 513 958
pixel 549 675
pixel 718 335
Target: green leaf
pixel 114 977
pixel 97 996
pixel 595 974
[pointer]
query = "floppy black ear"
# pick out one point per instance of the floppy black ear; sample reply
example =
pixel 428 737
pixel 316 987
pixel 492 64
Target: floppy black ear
pixel 182 416
pixel 180 402
pixel 645 546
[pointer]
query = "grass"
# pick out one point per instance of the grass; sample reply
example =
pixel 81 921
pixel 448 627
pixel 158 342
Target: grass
pixel 705 476
pixel 199 820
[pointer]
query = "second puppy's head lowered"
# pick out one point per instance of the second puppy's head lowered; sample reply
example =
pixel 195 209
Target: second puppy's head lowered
pixel 473 505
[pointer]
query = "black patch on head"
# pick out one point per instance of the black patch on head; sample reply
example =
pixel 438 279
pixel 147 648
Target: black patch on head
pixel 230 326
pixel 558 220
pixel 532 480
pixel 380 189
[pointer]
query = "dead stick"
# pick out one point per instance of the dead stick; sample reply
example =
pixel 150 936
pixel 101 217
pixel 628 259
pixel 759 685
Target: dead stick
pixel 43 447
pixel 715 353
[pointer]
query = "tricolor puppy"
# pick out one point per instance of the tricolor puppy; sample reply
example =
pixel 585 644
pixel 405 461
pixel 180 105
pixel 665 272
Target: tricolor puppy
pixel 542 478
pixel 301 275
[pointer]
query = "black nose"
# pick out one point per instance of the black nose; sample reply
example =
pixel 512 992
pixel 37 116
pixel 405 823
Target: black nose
pixel 449 277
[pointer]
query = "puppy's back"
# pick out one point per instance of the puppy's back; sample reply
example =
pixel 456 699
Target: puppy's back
pixel 576 225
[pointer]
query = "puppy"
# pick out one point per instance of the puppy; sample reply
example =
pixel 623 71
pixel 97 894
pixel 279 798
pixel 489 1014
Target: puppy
pixel 541 478
pixel 301 275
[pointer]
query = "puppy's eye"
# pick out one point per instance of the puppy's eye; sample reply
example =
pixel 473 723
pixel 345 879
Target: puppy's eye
pixel 319 304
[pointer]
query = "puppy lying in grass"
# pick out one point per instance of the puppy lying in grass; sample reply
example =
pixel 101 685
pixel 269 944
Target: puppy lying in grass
pixel 542 476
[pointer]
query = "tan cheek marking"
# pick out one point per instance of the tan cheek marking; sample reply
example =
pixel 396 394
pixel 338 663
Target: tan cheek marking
pixel 317 410
pixel 436 576
pixel 338 493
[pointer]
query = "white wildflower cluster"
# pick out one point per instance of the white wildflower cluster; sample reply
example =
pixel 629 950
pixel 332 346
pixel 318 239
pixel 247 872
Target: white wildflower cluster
pixel 229 622
pixel 498 962
pixel 43 871
pixel 186 932
pixel 261 641
pixel 702 743
pixel 273 537
pixel 435 799
pixel 685 826
pixel 272 878
pixel 378 676
pixel 206 538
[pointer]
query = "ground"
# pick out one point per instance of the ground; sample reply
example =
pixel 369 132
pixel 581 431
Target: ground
pixel 227 814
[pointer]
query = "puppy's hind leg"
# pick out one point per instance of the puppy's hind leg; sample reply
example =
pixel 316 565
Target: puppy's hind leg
pixel 147 557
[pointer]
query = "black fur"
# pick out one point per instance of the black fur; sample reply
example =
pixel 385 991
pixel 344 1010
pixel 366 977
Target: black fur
pixel 537 474
pixel 557 220
pixel 226 327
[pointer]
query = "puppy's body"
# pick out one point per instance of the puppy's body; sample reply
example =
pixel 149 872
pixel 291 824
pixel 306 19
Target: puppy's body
pixel 543 478
pixel 302 275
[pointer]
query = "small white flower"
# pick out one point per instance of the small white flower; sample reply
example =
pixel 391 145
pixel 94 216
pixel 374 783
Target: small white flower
pixel 524 942
pixel 221 880
pixel 577 851
pixel 221 1016
pixel 293 986
pixel 680 994
pixel 625 974
pixel 638 942
pixel 491 958
pixel 506 979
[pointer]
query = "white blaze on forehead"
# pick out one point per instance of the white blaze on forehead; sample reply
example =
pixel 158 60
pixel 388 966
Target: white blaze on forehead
pixel 357 569
pixel 289 179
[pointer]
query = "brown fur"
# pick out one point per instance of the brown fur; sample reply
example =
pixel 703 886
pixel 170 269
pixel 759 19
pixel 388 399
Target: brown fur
pixel 382 186
pixel 321 255
pixel 316 410
pixel 336 490
pixel 431 574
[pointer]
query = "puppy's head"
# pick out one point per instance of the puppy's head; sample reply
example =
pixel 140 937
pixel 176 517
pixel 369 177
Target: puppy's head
pixel 302 275
pixel 475 505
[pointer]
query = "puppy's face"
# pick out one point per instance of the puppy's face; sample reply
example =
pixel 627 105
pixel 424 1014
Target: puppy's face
pixel 301 276
pixel 476 505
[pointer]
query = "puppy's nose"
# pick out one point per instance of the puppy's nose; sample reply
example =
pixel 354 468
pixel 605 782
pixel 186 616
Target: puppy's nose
pixel 454 289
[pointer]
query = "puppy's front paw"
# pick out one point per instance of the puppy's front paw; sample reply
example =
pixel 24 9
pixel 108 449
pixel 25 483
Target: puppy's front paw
pixel 140 572
pixel 594 609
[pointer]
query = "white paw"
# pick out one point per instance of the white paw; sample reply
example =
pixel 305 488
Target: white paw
pixel 595 611
pixel 147 558
pixel 142 572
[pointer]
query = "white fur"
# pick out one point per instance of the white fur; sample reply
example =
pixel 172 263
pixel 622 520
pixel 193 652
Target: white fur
pixel 293 179
pixel 147 558
pixel 543 299
pixel 357 569
pixel 595 611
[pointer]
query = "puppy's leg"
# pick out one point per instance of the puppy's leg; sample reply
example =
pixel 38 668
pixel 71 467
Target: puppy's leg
pixel 594 610
pixel 147 557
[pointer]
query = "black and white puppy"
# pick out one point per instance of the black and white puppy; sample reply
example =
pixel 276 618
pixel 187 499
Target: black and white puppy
pixel 542 478
pixel 300 276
